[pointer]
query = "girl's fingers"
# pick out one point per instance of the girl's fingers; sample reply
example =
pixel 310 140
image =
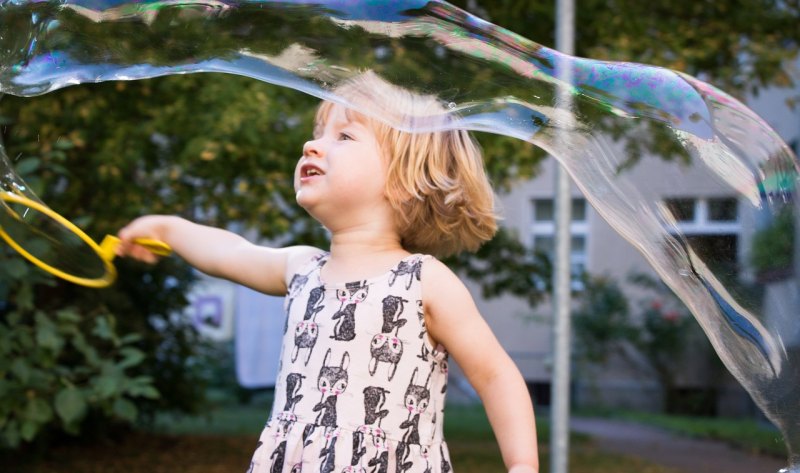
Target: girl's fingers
pixel 143 254
pixel 128 249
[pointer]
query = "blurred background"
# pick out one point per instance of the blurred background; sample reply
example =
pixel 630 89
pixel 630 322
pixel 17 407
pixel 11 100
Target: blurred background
pixel 170 370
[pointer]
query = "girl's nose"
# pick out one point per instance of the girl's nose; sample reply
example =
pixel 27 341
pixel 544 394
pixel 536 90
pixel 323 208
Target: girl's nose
pixel 313 148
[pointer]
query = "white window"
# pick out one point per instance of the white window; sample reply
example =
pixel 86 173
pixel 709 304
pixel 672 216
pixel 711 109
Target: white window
pixel 706 216
pixel 711 226
pixel 543 234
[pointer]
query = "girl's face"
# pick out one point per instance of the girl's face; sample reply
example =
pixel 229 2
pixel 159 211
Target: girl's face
pixel 342 168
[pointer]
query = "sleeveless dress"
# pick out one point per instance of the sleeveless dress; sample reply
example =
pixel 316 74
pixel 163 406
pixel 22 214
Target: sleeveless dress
pixel 360 388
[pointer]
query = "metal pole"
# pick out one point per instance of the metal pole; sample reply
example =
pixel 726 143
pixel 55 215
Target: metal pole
pixel 560 390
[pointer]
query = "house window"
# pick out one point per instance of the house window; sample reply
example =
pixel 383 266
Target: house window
pixel 682 209
pixel 543 234
pixel 722 210
pixel 714 215
pixel 712 227
pixel 544 210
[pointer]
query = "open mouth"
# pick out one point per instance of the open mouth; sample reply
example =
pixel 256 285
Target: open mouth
pixel 310 171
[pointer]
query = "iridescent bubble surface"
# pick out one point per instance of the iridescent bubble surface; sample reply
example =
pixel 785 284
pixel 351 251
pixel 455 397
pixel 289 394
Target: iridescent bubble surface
pixel 312 47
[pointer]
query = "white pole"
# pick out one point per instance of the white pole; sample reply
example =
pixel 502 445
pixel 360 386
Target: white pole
pixel 560 390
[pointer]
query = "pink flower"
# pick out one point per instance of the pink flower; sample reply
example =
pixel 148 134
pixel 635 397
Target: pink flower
pixel 672 316
pixel 656 304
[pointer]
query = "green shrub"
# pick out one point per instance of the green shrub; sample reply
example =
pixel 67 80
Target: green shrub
pixel 56 368
pixel 773 246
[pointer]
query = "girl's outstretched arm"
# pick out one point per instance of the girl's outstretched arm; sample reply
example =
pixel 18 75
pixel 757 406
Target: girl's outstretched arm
pixel 216 252
pixel 453 320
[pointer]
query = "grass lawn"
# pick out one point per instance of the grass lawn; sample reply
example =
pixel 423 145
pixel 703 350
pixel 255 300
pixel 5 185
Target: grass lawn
pixel 223 441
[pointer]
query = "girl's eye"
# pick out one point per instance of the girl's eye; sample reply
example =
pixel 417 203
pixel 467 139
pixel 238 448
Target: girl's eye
pixel 345 136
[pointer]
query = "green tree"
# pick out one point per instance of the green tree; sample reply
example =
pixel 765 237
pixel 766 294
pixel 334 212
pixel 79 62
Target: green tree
pixel 739 45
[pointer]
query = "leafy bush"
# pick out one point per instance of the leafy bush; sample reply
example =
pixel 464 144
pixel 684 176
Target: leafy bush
pixel 773 246
pixel 649 337
pixel 58 366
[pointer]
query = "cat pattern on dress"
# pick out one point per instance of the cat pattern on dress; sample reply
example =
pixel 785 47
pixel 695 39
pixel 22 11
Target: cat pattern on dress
pixel 386 347
pixel 287 419
pixel 416 401
pixel 350 297
pixel 411 269
pixel 328 453
pixel 306 331
pixel 332 382
pixel 339 410
pixel 296 285
pixel 380 462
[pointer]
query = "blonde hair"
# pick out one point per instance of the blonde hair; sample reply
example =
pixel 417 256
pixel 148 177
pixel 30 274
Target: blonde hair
pixel 436 180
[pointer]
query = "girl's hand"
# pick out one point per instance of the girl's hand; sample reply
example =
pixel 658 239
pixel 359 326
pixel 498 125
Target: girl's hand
pixel 151 226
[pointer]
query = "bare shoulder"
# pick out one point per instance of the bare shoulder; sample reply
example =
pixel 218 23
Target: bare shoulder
pixel 435 272
pixel 297 256
pixel 441 286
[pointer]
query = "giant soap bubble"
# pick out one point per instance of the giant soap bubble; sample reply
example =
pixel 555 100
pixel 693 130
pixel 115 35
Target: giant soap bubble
pixel 312 47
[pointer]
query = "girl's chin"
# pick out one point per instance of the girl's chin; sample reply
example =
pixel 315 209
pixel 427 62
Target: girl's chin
pixel 304 198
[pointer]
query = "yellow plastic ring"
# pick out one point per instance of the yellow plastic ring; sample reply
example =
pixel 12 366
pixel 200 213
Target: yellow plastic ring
pixel 104 281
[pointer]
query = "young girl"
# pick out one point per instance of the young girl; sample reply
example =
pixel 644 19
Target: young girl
pixel 372 321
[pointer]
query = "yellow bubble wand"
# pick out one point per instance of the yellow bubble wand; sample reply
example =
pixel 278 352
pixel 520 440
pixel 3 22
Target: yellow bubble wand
pixel 106 250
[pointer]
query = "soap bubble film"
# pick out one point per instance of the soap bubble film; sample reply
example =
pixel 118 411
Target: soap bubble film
pixel 313 47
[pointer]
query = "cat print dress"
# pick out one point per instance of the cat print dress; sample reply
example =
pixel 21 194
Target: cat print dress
pixel 360 387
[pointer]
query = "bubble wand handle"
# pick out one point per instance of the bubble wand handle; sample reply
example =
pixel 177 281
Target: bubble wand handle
pixel 110 243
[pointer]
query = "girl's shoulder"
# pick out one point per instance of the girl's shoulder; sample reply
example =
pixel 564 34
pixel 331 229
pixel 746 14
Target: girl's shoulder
pixel 436 274
pixel 434 269
pixel 298 257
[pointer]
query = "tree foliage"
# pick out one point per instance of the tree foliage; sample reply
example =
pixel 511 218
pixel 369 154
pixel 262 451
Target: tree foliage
pixel 739 45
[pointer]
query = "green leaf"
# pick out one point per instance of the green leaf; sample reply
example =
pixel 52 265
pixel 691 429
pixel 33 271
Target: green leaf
pixel 142 386
pixel 24 297
pixel 102 329
pixel 63 144
pixel 16 268
pixel 70 405
pixel 22 370
pixel 130 338
pixel 47 335
pixel 27 165
pixel 11 434
pixel 68 315
pixel 147 392
pixel 28 430
pixel 132 357
pixel 107 386
pixel 38 410
pixel 125 409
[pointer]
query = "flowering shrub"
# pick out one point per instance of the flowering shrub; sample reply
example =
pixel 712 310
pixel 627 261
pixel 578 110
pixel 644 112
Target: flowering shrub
pixel 650 335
